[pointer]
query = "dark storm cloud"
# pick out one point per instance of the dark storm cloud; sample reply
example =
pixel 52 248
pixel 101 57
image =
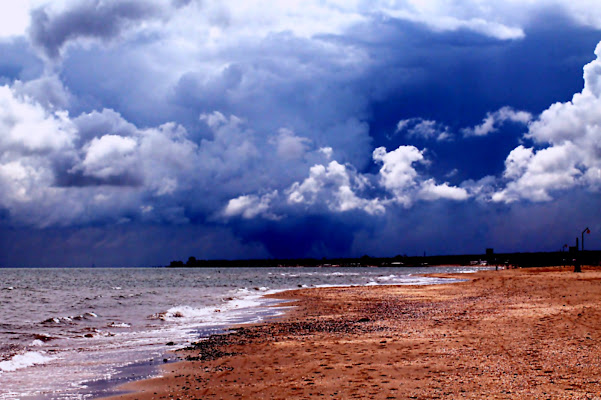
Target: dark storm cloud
pixel 262 139
pixel 120 245
pixel 462 79
pixel 18 61
pixel 67 178
pixel 458 81
pixel 286 81
pixel 452 228
pixel 94 19
pixel 409 72
pixel 4 215
pixel 299 237
pixel 457 227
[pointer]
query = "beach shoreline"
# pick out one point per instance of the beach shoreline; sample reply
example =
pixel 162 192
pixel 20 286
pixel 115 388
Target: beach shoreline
pixel 524 333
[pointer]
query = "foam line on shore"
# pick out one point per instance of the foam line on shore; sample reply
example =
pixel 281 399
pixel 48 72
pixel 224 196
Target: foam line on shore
pixel 28 359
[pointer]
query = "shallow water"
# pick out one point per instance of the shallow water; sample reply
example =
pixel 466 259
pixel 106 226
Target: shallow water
pixel 73 333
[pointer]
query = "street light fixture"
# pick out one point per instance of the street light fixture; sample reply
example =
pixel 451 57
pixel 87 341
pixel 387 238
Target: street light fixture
pixel 586 230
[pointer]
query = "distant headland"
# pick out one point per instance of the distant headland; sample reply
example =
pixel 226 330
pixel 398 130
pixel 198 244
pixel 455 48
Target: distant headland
pixel 510 260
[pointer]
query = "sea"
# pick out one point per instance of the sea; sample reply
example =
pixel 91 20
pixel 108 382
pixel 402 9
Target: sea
pixel 77 333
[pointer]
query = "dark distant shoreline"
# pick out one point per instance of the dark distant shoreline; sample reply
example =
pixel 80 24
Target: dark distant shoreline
pixel 518 260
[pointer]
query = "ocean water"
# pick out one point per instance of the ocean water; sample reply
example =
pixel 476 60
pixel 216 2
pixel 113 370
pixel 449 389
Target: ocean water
pixel 76 333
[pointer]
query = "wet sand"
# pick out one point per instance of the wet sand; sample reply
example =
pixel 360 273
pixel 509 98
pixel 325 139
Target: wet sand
pixel 511 334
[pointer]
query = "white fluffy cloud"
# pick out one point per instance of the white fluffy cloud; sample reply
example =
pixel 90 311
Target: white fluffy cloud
pixel 424 128
pixel 547 170
pixel 517 162
pixel 251 206
pixel 55 170
pixel 109 156
pixel 433 130
pixel 572 133
pixel 340 188
pixel 334 185
pixel 26 126
pixel 397 173
pixel 431 191
pixel 399 176
pixel 494 120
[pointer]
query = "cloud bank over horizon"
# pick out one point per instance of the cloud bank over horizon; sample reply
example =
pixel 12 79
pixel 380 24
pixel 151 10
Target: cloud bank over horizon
pixel 302 129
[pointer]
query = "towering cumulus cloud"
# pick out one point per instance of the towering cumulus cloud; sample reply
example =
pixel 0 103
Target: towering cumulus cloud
pixel 571 135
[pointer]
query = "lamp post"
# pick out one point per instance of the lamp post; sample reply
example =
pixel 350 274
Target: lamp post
pixel 577 259
pixel 586 230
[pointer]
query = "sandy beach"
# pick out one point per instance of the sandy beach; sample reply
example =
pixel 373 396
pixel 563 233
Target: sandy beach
pixel 510 334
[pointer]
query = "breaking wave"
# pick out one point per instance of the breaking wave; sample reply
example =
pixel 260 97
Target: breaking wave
pixel 25 360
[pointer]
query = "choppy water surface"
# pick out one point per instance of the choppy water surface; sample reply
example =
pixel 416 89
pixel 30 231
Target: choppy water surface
pixel 66 332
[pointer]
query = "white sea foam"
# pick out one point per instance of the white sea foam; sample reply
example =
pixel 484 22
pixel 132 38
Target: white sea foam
pixel 244 300
pixel 341 274
pixel 20 361
pixel 58 320
pixel 70 319
pixel 188 312
pixel 118 325
pixel 395 280
pixel 387 278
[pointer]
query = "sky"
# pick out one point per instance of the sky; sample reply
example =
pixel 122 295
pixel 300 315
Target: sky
pixel 136 132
